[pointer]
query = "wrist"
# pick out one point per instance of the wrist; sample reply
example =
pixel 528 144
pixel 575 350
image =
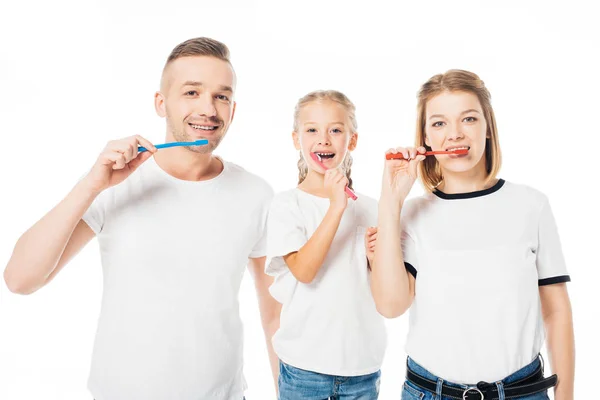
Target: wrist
pixel 336 208
pixel 86 188
pixel 390 207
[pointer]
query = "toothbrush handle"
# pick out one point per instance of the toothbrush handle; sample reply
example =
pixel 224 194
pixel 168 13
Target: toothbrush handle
pixel 162 146
pixel 400 156
pixel 350 193
pixel 174 144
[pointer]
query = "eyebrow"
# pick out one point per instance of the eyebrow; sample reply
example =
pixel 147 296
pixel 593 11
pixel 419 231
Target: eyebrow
pixel 223 88
pixel 464 112
pixel 331 123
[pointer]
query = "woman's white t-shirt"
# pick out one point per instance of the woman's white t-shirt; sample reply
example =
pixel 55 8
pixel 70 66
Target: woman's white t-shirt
pixel 330 325
pixel 479 259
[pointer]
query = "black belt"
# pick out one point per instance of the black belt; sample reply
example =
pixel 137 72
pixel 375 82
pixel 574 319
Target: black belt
pixel 531 384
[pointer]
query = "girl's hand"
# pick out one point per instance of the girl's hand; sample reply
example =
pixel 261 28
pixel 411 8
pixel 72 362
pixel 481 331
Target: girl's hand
pixel 400 175
pixel 370 239
pixel 335 185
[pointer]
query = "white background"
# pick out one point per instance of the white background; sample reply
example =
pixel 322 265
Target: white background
pixel 76 74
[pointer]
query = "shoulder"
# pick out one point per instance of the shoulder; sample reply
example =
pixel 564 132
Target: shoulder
pixel 248 181
pixel 412 206
pixel 286 198
pixel 524 195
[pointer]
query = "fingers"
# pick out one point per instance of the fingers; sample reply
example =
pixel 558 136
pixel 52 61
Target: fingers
pixel 408 153
pixel 146 143
pixel 121 152
pixel 334 177
pixel 371 238
pixel 129 146
pixel 404 151
pixel 136 162
pixel 115 158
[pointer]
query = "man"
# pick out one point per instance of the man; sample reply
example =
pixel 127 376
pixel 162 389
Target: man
pixel 175 229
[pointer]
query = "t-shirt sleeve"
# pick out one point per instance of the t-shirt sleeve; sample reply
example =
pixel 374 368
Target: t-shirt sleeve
pixel 285 233
pixel 550 261
pixel 96 214
pixel 260 248
pixel 409 251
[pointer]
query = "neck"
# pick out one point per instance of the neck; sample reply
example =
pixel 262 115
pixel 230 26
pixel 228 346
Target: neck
pixel 465 182
pixel 187 165
pixel 313 184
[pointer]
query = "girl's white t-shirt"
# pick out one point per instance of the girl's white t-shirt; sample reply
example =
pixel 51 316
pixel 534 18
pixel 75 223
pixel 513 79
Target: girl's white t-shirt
pixel 479 259
pixel 330 325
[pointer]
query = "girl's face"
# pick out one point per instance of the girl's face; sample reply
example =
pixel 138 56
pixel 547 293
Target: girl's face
pixel 455 120
pixel 324 129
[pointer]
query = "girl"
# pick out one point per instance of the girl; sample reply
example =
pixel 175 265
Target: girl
pixel 331 339
pixel 479 258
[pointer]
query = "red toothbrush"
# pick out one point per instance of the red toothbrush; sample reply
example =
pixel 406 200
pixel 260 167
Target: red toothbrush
pixel 399 156
pixel 317 159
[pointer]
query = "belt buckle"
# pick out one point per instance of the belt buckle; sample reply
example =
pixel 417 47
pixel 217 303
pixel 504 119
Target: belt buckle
pixel 466 392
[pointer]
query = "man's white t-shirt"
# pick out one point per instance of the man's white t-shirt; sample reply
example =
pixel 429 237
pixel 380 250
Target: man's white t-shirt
pixel 479 259
pixel 330 325
pixel 173 255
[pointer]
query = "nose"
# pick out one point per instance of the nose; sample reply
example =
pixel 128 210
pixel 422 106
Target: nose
pixel 206 105
pixel 454 133
pixel 324 138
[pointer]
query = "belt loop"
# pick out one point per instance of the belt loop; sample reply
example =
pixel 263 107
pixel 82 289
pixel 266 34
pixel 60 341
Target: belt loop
pixel 438 389
pixel 500 387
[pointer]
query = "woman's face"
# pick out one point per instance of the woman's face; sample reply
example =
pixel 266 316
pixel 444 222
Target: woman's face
pixel 455 120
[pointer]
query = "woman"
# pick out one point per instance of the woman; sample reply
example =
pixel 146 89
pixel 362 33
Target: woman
pixel 486 254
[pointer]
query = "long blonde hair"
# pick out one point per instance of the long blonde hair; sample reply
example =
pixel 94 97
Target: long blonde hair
pixel 464 81
pixel 320 96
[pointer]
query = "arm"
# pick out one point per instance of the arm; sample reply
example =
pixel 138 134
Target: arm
pixel 393 287
pixel 305 263
pixel 558 320
pixel 269 310
pixel 46 247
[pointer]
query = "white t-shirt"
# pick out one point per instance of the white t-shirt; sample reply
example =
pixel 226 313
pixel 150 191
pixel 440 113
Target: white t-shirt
pixel 330 325
pixel 173 255
pixel 479 259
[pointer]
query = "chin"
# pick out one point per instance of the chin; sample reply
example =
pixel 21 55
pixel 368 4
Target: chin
pixel 460 166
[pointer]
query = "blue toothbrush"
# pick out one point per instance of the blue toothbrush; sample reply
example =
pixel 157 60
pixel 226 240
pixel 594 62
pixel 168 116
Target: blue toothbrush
pixel 175 144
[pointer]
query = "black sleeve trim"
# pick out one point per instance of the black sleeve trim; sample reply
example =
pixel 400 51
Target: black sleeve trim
pixel 411 269
pixel 553 280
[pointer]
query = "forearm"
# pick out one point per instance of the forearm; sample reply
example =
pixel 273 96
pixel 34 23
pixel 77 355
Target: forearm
pixel 306 262
pixel 389 280
pixel 270 311
pixel 38 250
pixel 561 350
pixel 270 326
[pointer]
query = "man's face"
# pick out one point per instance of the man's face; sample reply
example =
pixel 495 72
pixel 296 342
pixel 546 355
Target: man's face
pixel 196 97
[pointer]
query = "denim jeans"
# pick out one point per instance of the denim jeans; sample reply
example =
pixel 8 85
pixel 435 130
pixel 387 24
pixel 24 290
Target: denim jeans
pixel 298 384
pixel 412 392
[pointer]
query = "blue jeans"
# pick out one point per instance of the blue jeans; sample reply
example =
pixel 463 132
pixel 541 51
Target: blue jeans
pixel 298 384
pixel 412 392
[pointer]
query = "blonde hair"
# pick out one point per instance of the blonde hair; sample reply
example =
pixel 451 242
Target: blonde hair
pixel 464 81
pixel 321 96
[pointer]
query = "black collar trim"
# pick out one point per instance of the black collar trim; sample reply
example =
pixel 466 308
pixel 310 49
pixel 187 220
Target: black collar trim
pixel 470 195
